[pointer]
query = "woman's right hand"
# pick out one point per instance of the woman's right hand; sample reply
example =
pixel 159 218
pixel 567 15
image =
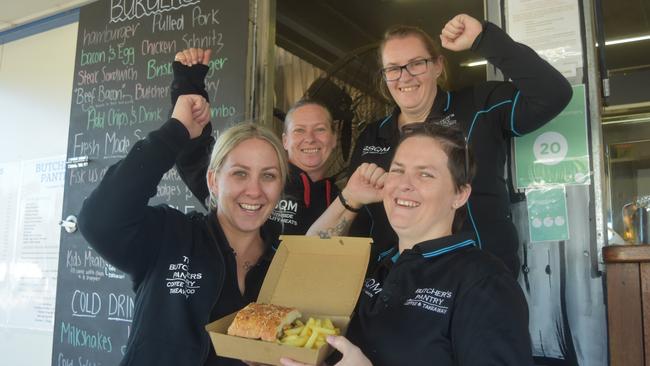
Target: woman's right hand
pixel 352 355
pixel 193 111
pixel 193 56
pixel 365 185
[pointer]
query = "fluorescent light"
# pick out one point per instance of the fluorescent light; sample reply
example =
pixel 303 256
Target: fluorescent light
pixel 607 43
pixel 474 63
pixel 627 40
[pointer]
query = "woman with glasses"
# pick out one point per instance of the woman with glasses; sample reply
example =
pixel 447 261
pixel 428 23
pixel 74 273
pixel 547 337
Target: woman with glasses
pixel 489 114
pixel 435 298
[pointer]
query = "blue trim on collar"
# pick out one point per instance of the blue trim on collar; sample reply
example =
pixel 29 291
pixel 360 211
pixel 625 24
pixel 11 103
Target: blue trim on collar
pixel 512 114
pixel 469 134
pixel 395 257
pixel 385 253
pixel 449 248
pixel 448 102
pixel 382 123
pixel 471 219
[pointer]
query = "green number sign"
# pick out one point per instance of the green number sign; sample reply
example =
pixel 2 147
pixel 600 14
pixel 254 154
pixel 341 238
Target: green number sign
pixel 557 153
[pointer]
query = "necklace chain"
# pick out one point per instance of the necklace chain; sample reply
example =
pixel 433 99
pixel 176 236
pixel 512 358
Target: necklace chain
pixel 247 264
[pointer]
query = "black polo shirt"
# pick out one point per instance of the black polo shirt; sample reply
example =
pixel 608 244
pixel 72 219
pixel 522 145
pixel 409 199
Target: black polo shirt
pixel 302 203
pixel 444 302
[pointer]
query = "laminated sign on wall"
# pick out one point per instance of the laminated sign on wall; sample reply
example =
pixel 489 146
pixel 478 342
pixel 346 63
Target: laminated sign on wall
pixel 558 152
pixel 547 213
pixel 548 27
pixel 31 196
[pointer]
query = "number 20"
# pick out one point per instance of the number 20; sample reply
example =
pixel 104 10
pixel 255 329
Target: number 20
pixel 552 148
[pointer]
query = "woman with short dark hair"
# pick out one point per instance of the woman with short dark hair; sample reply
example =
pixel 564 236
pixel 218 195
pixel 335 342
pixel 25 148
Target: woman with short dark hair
pixel 435 298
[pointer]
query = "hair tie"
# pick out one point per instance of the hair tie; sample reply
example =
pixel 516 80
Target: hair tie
pixel 346 205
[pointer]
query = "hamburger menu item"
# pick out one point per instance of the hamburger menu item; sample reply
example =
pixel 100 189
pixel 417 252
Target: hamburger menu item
pixel 262 321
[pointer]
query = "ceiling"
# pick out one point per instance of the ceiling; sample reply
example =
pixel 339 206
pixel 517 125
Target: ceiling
pixel 16 13
pixel 323 31
pixel 623 19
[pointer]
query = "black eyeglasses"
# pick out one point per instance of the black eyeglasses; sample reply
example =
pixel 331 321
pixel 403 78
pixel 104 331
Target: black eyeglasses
pixel 414 68
pixel 432 128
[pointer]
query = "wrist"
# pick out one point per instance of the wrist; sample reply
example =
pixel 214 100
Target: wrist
pixel 349 205
pixel 479 37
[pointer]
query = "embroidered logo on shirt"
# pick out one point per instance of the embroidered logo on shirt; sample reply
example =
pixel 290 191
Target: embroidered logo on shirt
pixel 447 121
pixel 372 287
pixel 430 299
pixel 180 280
pixel 285 212
pixel 369 149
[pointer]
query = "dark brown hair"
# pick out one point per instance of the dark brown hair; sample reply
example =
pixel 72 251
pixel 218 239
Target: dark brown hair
pixel 433 48
pixel 460 160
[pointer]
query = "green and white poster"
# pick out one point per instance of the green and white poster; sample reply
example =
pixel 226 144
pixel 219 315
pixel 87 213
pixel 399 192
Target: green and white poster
pixel 558 152
pixel 547 213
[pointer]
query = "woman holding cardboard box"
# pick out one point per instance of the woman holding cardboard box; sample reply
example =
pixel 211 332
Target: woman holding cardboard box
pixel 187 269
pixel 435 298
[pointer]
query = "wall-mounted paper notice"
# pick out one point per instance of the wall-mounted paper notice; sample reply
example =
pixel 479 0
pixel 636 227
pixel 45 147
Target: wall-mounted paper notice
pixel 550 27
pixel 29 262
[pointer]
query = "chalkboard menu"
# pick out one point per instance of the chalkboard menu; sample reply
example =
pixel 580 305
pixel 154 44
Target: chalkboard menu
pixel 125 49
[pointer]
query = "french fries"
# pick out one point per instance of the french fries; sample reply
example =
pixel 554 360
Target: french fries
pixel 309 335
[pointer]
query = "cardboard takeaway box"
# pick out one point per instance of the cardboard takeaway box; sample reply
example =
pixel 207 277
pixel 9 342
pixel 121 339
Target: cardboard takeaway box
pixel 320 277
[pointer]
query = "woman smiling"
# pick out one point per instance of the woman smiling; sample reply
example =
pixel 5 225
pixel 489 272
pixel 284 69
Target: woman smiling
pixel 435 298
pixel 188 269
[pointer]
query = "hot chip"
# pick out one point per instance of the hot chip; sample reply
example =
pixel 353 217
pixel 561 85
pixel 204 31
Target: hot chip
pixel 309 335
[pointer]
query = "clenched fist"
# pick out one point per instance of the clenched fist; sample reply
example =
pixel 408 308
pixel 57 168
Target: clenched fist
pixel 193 111
pixel 460 32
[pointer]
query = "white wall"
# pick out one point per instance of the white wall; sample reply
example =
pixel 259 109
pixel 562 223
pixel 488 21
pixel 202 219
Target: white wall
pixel 36 75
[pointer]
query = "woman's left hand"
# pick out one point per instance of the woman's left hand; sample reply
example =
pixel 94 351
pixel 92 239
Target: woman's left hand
pixel 460 32
pixel 352 355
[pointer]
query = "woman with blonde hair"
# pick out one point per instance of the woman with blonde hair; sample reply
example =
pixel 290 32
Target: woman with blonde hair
pixel 187 269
